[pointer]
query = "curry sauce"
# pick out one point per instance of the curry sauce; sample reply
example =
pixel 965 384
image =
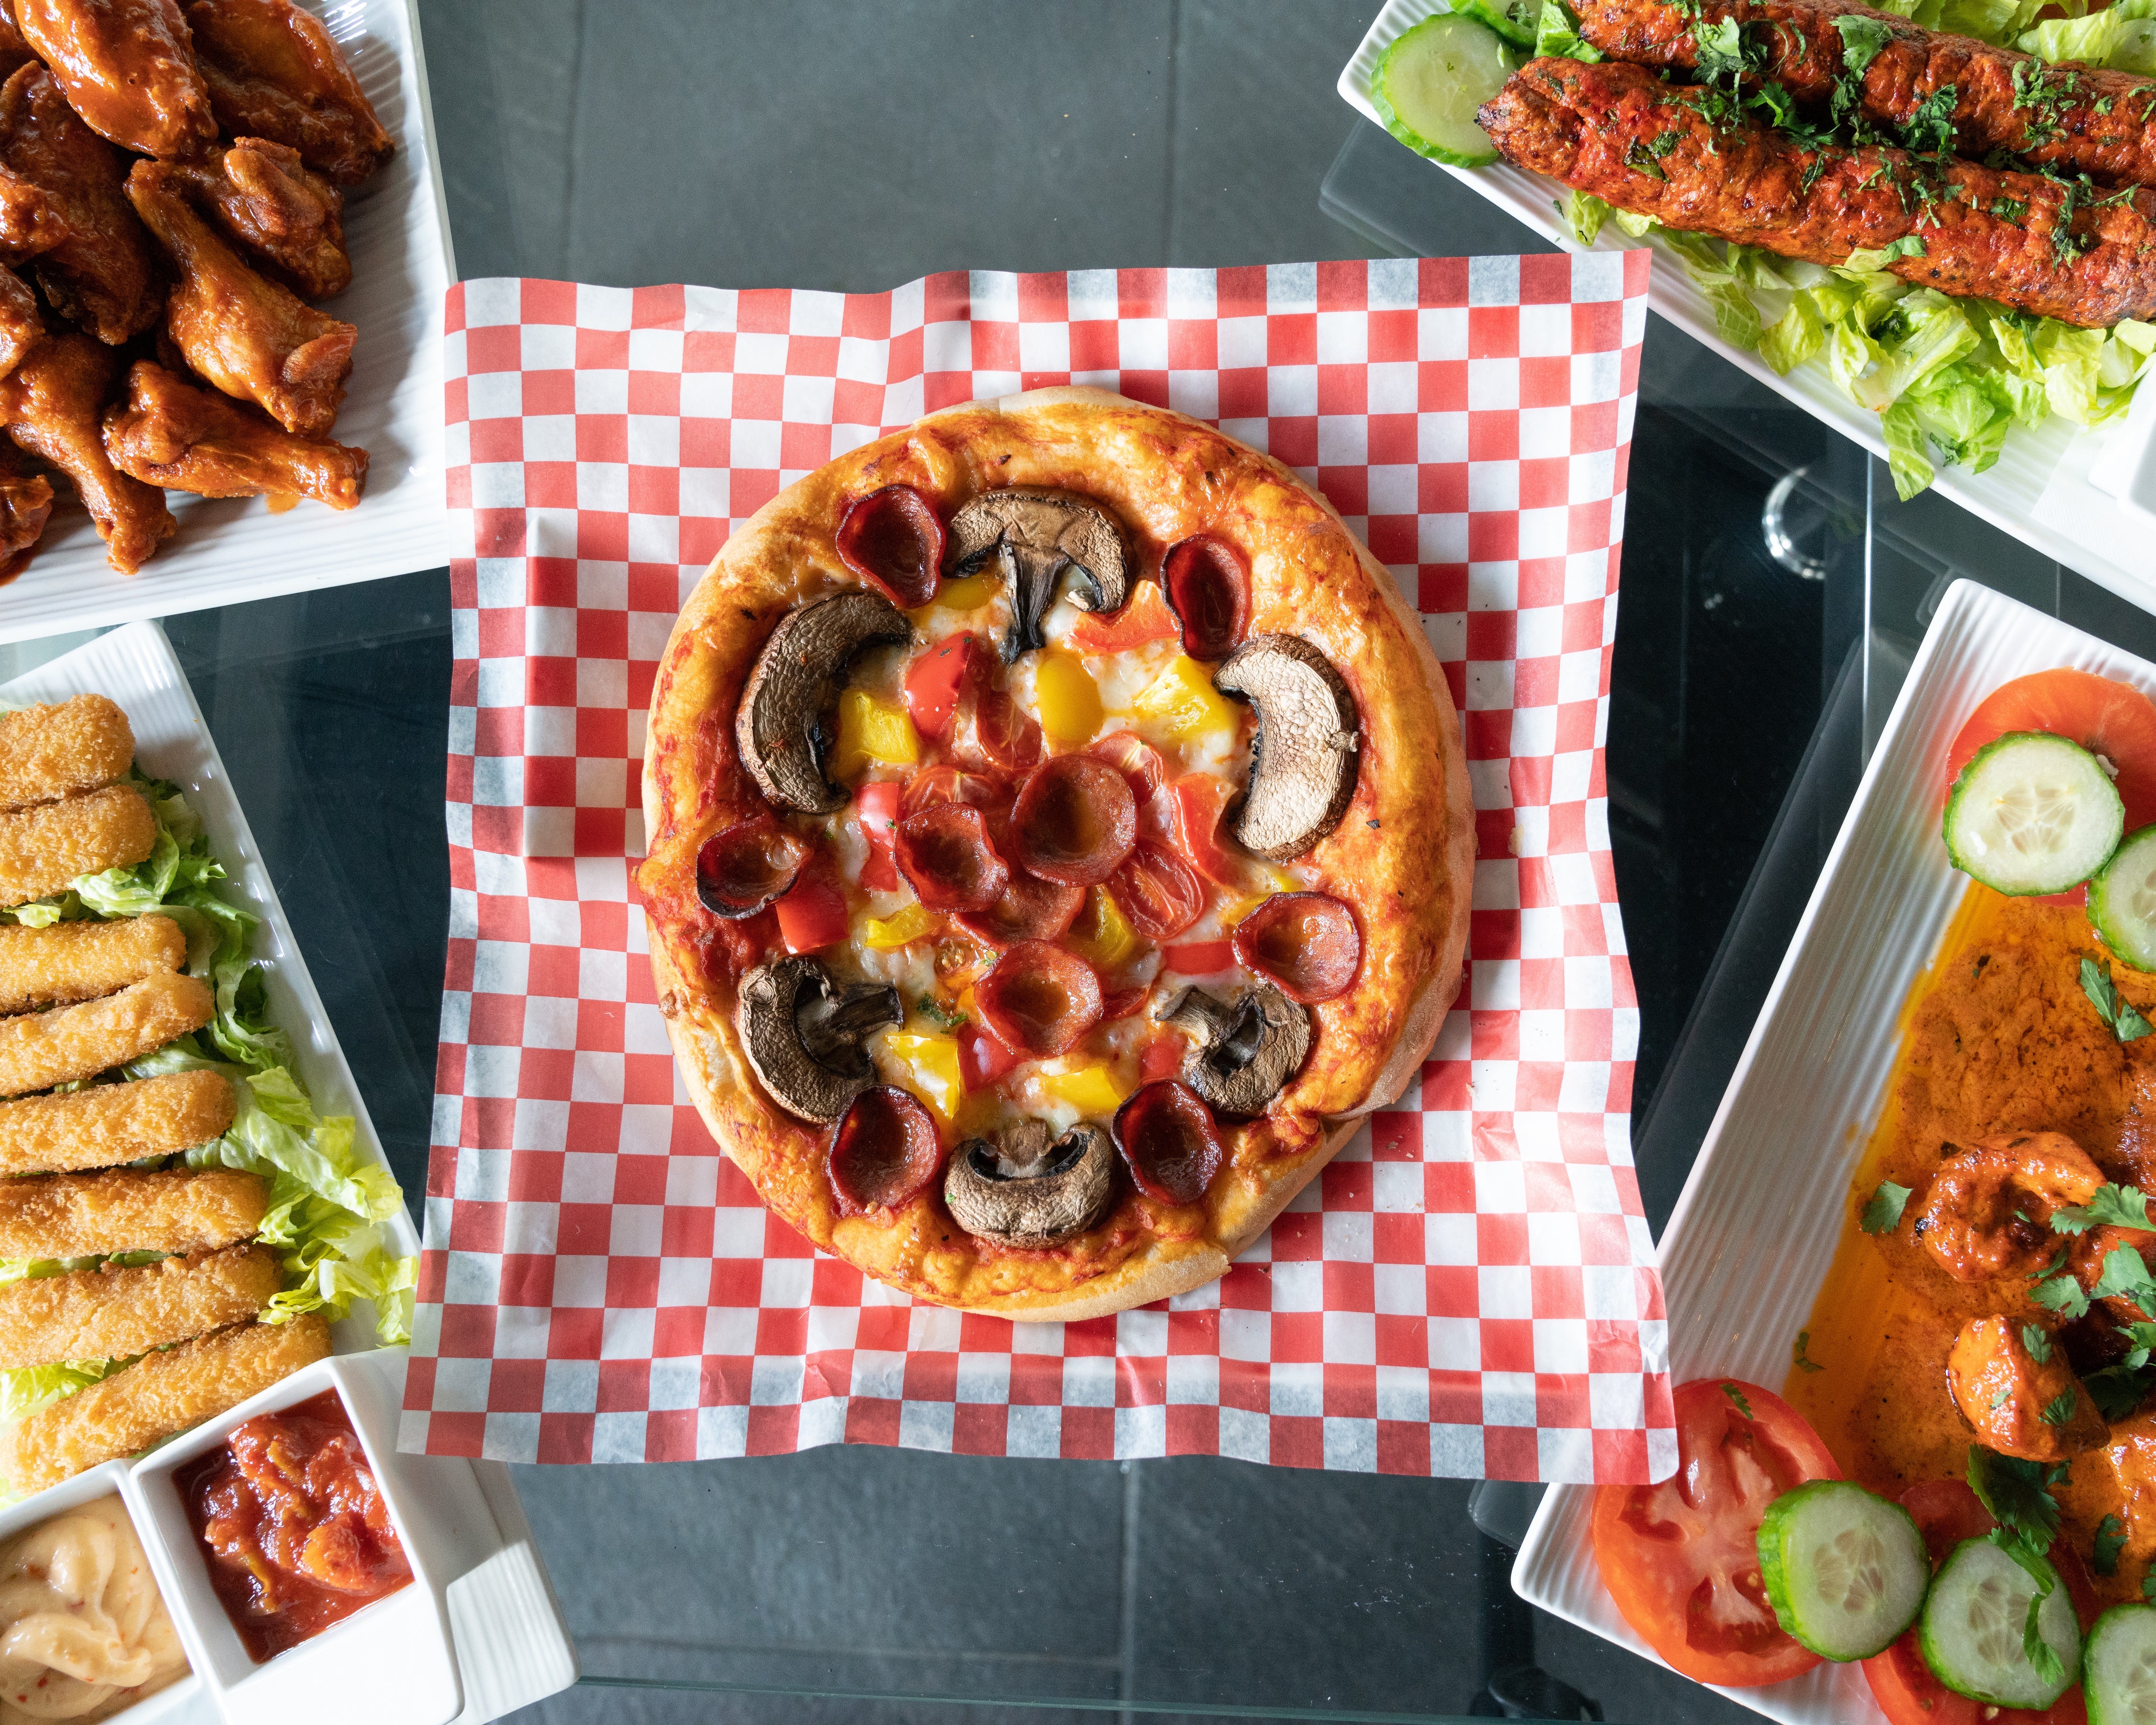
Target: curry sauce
pixel 1997 1037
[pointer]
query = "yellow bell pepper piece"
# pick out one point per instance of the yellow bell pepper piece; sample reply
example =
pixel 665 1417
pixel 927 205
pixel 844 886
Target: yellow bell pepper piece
pixel 1102 934
pixel 1092 1090
pixel 872 730
pixel 1067 696
pixel 910 922
pixel 930 1069
pixel 968 593
pixel 1182 701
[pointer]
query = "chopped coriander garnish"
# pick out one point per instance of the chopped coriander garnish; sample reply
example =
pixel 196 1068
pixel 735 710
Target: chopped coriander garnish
pixel 2060 1408
pixel 2038 1341
pixel 2112 1206
pixel 2116 1012
pixel 1909 245
pixel 1737 1395
pixel 1883 1214
pixel 1799 1359
pixel 2110 1540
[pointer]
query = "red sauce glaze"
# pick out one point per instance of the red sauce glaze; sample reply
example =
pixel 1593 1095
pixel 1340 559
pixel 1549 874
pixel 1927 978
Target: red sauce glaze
pixel 293 1527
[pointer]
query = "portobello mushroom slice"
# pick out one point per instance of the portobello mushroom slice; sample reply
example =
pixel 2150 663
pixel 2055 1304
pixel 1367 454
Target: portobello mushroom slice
pixel 778 727
pixel 1035 535
pixel 1303 757
pixel 1246 1052
pixel 803 1034
pixel 1026 1191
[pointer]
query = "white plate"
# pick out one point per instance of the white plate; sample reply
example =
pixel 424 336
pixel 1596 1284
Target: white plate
pixel 231 549
pixel 511 1646
pixel 2039 490
pixel 1756 1228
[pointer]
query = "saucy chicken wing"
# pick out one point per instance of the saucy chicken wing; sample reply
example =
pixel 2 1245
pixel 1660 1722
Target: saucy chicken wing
pixel 21 325
pixel 2013 1384
pixel 273 72
pixel 25 504
pixel 172 434
pixel 1988 1211
pixel 240 331
pixel 95 264
pixel 127 67
pixel 288 215
pixel 51 406
pixel 14 51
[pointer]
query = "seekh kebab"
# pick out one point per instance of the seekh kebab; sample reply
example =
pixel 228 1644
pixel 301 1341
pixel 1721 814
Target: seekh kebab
pixel 2078 118
pixel 2058 248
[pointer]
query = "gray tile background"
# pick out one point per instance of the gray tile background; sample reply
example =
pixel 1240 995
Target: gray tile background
pixel 854 146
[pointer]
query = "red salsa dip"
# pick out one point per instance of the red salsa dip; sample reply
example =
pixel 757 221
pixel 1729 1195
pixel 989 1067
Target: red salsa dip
pixel 293 1525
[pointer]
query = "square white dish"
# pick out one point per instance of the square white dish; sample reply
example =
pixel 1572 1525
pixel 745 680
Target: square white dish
pixel 2039 490
pixel 391 1659
pixel 227 550
pixel 1756 1228
pixel 510 1646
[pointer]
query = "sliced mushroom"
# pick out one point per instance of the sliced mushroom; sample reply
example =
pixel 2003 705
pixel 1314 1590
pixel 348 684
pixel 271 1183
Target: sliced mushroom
pixel 1026 1191
pixel 1303 758
pixel 803 1034
pixel 1246 1052
pixel 1035 535
pixel 794 682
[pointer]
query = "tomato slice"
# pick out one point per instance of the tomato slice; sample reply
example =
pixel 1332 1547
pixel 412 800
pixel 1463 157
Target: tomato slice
pixel 1135 758
pixel 1158 892
pixel 1681 1559
pixel 2110 718
pixel 813 916
pixel 1946 1512
pixel 1161 1056
pixel 932 785
pixel 992 729
pixel 1145 619
pixel 1199 799
pixel 984 1056
pixel 935 680
pixel 1197 957
pixel 877 808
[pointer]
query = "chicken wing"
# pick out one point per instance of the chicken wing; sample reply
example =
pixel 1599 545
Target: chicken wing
pixel 291 218
pixel 51 406
pixel 188 440
pixel 21 325
pixel 93 259
pixel 26 504
pixel 273 72
pixel 240 331
pixel 14 51
pixel 127 67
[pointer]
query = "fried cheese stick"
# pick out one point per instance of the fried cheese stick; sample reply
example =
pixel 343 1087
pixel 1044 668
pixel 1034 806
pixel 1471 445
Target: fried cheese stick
pixel 69 962
pixel 130 1210
pixel 114 1314
pixel 40 1049
pixel 47 753
pixel 156 1397
pixel 42 849
pixel 111 1123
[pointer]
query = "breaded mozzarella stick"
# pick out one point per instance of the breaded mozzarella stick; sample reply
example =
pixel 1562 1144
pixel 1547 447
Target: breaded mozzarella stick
pixel 44 849
pixel 130 1210
pixel 40 1049
pixel 116 1314
pixel 68 962
pixel 111 1123
pixel 52 751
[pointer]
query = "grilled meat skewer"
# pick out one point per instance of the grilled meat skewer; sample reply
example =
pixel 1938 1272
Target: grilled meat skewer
pixel 2033 242
pixel 2076 118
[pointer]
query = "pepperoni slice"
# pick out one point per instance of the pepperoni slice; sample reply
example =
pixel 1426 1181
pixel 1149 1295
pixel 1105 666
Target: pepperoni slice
pixel 893 539
pixel 934 785
pixel 935 682
pixel 949 860
pixel 885 1153
pixel 1170 1143
pixel 1135 759
pixel 1209 585
pixel 1306 941
pixel 1076 819
pixel 743 869
pixel 1030 909
pixel 1039 999
pixel 1158 892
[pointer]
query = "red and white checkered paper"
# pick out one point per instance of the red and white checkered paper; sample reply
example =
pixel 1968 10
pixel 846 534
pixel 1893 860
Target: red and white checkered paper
pixel 1468 1290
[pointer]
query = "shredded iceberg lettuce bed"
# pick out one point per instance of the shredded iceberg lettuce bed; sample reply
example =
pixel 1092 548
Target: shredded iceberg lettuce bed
pixel 328 1207
pixel 1948 377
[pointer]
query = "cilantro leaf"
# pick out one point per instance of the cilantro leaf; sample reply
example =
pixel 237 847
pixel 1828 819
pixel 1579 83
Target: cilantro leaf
pixel 1798 1357
pixel 2117 1390
pixel 1909 245
pixel 2017 1493
pixel 2116 1012
pixel 2112 1206
pixel 1861 39
pixel 1999 1397
pixel 2110 1540
pixel 2063 1295
pixel 1721 47
pixel 1737 1395
pixel 2038 1341
pixel 1883 1214
pixel 2060 1408
pixel 2125 1272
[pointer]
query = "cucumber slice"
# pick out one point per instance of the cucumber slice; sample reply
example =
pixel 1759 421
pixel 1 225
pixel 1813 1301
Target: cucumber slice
pixel 1514 20
pixel 2118 1667
pixel 1845 1570
pixel 1432 81
pixel 2032 813
pixel 1972 1624
pixel 2122 899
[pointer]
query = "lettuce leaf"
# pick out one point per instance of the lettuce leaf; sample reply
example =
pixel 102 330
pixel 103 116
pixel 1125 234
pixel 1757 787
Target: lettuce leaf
pixel 1583 214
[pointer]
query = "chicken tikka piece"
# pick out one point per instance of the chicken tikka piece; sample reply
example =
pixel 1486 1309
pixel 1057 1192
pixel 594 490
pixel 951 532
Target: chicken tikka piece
pixel 2013 1384
pixel 51 406
pixel 127 67
pixel 239 330
pixel 172 434
pixel 275 72
pixel 288 218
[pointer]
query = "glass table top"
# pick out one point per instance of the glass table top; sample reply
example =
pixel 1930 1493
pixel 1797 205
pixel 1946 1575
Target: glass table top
pixel 1773 594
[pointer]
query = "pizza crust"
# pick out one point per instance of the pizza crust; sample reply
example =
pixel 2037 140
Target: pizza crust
pixel 776 560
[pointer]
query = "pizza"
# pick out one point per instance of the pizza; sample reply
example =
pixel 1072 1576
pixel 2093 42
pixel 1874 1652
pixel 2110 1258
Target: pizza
pixel 1059 835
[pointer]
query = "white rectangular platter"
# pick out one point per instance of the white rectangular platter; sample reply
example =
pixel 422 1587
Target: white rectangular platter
pixel 231 549
pixel 511 1646
pixel 1755 1229
pixel 2039 490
